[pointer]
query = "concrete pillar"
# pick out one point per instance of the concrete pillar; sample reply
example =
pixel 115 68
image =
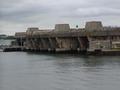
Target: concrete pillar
pixel 80 43
pixel 45 43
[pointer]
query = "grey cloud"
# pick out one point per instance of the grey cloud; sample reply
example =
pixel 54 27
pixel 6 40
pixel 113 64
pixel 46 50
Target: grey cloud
pixel 39 11
pixel 22 11
pixel 92 12
pixel 58 8
pixel 23 14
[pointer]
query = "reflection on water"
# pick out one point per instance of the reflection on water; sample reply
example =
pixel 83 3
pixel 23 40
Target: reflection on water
pixel 29 71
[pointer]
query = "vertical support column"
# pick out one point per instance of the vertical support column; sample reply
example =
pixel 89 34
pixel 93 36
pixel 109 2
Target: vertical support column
pixel 45 43
pixel 59 43
pixel 51 43
pixel 80 44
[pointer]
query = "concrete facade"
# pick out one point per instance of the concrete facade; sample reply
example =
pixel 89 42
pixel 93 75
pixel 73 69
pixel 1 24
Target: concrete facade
pixel 62 27
pixel 93 25
pixel 63 38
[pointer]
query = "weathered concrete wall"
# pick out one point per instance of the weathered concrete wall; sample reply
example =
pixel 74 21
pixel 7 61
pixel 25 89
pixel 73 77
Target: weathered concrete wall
pixel 83 43
pixel 100 45
pixel 30 31
pixel 93 25
pixel 53 43
pixel 62 27
pixel 38 43
pixel 67 43
pixel 116 45
pixel 58 43
pixel 20 35
pixel 20 38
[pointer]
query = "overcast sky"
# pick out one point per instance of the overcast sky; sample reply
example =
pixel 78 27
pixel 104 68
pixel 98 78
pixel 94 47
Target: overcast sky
pixel 17 15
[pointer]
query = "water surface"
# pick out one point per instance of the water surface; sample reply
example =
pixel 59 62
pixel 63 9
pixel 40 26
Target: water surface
pixel 34 71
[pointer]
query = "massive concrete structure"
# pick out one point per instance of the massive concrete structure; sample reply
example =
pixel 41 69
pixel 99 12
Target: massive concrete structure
pixel 93 26
pixel 63 38
pixel 62 27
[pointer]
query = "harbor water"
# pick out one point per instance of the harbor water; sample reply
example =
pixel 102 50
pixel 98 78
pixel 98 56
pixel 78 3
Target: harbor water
pixel 36 71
